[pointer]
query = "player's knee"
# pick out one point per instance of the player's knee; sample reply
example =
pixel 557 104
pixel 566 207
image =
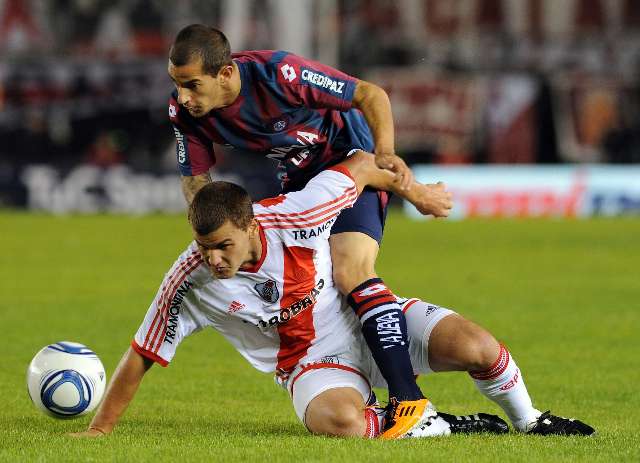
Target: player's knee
pixel 343 280
pixel 459 344
pixel 480 349
pixel 346 421
pixel 347 276
pixel 353 256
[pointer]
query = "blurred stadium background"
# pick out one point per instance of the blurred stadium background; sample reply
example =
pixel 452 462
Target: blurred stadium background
pixel 549 88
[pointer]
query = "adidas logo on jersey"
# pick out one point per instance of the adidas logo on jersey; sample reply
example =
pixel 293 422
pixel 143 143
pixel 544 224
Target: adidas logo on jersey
pixel 235 306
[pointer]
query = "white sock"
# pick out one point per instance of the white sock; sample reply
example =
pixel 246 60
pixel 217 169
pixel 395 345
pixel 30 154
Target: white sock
pixel 374 419
pixel 503 383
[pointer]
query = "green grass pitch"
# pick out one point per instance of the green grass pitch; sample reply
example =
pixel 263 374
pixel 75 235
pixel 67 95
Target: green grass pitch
pixel 563 295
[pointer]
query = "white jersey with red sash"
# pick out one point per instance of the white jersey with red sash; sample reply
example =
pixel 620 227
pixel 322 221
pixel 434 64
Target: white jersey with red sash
pixel 282 313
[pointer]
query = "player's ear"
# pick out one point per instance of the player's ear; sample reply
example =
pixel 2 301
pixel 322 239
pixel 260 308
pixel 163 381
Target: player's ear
pixel 253 228
pixel 225 72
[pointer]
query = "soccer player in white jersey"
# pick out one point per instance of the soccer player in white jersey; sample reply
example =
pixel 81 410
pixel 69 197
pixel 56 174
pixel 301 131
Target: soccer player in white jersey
pixel 261 275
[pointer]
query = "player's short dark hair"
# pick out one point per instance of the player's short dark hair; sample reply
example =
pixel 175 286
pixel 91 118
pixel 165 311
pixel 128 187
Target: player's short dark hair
pixel 217 202
pixel 204 42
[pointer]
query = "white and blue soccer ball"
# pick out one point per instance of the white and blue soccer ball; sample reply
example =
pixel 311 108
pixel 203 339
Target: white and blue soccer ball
pixel 66 380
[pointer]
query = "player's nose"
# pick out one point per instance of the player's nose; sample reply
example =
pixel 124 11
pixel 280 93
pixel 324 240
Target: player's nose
pixel 183 97
pixel 214 258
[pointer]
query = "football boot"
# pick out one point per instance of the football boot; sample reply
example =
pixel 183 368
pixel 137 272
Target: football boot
pixel 478 423
pixel 412 419
pixel 548 424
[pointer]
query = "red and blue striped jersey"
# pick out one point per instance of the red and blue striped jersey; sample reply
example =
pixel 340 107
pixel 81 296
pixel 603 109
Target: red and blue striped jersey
pixel 291 109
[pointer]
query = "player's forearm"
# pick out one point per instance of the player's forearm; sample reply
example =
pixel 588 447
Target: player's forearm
pixel 365 173
pixel 374 103
pixel 192 184
pixel 121 390
pixel 430 199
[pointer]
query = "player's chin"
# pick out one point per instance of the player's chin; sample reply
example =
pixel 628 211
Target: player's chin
pixel 197 111
pixel 223 273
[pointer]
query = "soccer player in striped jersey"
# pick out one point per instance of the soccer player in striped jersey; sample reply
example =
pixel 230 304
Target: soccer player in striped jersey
pixel 262 276
pixel 308 117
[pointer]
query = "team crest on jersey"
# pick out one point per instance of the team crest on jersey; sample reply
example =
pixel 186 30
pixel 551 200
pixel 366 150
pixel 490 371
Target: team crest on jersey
pixel 279 123
pixel 268 291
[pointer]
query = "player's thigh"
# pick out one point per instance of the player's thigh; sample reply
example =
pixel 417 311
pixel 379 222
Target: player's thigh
pixel 458 344
pixel 353 255
pixel 355 239
pixel 423 318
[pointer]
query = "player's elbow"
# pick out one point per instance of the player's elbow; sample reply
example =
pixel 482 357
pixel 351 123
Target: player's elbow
pixel 367 93
pixel 192 184
pixel 362 167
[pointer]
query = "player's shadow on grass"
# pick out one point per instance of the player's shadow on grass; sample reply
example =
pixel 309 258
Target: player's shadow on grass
pixel 215 427
pixel 274 430
pixel 46 427
pixel 39 424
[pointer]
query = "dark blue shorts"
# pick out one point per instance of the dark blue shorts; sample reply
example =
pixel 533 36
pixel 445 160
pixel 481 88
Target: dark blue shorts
pixel 367 215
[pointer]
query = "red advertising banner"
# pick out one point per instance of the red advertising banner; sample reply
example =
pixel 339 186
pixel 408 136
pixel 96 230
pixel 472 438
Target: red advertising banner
pixel 566 191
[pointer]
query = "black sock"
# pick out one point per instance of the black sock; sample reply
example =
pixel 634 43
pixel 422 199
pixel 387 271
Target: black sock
pixel 385 330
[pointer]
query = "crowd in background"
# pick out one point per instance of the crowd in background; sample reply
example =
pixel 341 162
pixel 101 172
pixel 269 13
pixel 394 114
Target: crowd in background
pixel 472 81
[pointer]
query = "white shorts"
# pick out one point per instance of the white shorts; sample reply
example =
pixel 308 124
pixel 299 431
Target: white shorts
pixel 356 368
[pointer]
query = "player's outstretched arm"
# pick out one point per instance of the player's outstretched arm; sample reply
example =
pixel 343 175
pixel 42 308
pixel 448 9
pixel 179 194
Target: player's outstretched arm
pixel 192 184
pixel 374 103
pixel 120 392
pixel 430 199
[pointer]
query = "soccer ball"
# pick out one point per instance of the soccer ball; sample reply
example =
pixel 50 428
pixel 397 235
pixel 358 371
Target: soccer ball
pixel 66 380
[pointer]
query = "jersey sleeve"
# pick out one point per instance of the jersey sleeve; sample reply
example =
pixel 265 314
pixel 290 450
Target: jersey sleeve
pixel 174 313
pixel 194 152
pixel 308 83
pixel 313 209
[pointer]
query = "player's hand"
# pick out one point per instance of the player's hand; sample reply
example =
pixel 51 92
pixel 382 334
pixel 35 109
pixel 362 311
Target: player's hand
pixel 91 432
pixel 394 163
pixel 432 199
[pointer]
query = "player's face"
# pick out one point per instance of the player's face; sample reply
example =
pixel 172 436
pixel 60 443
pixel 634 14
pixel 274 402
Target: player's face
pixel 199 92
pixel 229 249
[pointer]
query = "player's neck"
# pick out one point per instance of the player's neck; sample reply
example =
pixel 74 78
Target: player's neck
pixel 255 252
pixel 256 249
